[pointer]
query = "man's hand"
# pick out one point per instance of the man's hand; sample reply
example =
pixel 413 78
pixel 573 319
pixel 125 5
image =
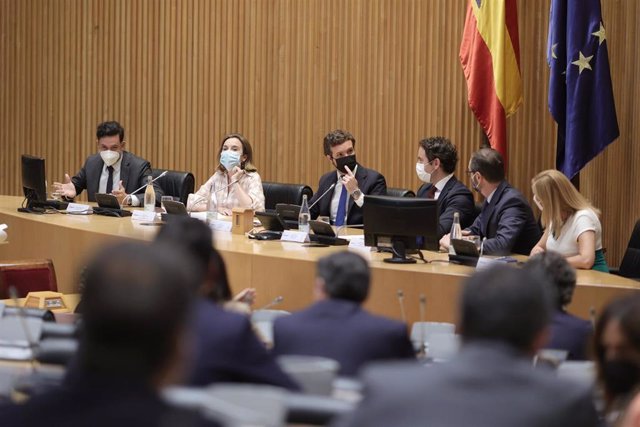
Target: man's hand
pixel 120 194
pixel 445 242
pixel 349 181
pixel 66 188
pixel 247 296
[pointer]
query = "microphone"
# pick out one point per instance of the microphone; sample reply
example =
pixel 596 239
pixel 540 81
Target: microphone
pixel 592 316
pixel 277 300
pixel 423 344
pixel 482 245
pixel 144 186
pixel 204 199
pixel 322 195
pixel 13 293
pixel 401 302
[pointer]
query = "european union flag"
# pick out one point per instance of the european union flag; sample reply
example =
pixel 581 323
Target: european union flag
pixel 580 91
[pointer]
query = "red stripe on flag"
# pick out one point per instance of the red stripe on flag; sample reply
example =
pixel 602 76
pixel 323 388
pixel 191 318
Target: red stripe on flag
pixel 511 18
pixel 483 99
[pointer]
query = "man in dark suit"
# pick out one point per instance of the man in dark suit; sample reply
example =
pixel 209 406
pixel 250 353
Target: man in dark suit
pixel 336 326
pixel 568 332
pixel 437 160
pixel 504 315
pixel 343 202
pixel 226 347
pixel 112 170
pixel 137 301
pixel 506 219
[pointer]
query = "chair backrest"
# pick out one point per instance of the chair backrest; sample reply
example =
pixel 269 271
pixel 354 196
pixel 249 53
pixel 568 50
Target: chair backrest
pixel 27 276
pixel 630 265
pixel 177 184
pixel 277 192
pixel 400 192
pixel 314 374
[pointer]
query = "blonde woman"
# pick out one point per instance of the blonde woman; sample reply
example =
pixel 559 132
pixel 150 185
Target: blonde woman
pixel 571 223
pixel 236 181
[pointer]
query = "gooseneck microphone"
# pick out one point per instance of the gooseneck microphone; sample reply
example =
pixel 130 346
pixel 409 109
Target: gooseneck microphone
pixel 152 181
pixel 322 195
pixel 277 300
pixel 401 302
pixel 205 199
pixel 22 316
pixel 423 338
pixel 592 316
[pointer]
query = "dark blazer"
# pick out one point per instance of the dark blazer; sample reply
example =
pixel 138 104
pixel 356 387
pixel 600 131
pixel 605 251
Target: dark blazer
pixel 100 402
pixel 454 197
pixel 370 183
pixel 486 385
pixel 570 333
pixel 343 331
pixel 227 350
pixel 507 223
pixel 133 173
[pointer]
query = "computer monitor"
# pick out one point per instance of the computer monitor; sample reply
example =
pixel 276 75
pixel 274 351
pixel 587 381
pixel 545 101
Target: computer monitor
pixel 402 224
pixel 33 180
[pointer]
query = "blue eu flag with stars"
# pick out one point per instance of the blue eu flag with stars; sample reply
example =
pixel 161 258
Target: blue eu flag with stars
pixel 580 90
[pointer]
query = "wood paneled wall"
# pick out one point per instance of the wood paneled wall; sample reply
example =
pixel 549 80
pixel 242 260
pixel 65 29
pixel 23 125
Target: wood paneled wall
pixel 179 74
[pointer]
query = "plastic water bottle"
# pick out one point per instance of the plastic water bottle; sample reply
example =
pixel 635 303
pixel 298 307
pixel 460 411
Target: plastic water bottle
pixel 305 215
pixel 212 206
pixel 149 196
pixel 456 232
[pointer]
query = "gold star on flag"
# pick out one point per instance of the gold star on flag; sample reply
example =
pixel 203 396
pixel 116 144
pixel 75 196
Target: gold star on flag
pixel 583 62
pixel 553 51
pixel 600 34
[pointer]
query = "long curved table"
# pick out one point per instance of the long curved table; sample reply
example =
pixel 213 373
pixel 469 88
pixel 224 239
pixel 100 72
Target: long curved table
pixel 274 268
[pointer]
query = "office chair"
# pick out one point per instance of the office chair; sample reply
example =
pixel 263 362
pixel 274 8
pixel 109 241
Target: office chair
pixel 177 184
pixel 277 192
pixel 27 276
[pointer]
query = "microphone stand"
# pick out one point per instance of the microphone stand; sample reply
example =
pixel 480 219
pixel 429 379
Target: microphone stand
pixel 152 181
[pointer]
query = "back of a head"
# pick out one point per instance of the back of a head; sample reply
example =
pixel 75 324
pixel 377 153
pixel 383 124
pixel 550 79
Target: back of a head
pixel 346 276
pixel 136 302
pixel 507 305
pixel 489 163
pixel 558 271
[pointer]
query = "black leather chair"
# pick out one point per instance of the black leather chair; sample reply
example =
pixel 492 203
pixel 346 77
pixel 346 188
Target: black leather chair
pixel 175 183
pixel 277 192
pixel 630 265
pixel 400 192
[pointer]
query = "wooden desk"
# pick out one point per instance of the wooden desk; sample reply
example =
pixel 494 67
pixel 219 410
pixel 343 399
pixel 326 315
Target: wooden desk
pixel 273 267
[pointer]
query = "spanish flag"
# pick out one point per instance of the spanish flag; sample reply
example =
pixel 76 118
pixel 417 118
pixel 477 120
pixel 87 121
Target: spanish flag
pixel 490 57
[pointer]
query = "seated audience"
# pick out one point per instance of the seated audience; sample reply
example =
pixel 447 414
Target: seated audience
pixel 227 349
pixel 351 180
pixel 132 344
pixel 337 326
pixel 504 315
pixel 506 219
pixel 617 351
pixel 236 181
pixel 571 223
pixel 437 160
pixel 568 332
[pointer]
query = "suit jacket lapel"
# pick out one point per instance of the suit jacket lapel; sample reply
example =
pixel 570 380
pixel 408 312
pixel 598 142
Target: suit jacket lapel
pixel 124 170
pixel 448 186
pixel 325 203
pixel 361 177
pixel 488 211
pixel 93 178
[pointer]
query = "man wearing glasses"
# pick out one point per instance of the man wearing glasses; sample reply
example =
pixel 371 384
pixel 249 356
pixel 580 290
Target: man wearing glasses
pixel 506 219
pixel 341 193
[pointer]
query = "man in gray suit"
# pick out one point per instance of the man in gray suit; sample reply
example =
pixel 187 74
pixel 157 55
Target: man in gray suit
pixel 504 315
pixel 111 170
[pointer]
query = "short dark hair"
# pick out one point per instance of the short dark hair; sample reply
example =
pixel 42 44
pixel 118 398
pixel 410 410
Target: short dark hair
pixel 136 304
pixel 346 276
pixel 560 273
pixel 489 163
pixel 110 129
pixel 505 304
pixel 438 147
pixel 336 137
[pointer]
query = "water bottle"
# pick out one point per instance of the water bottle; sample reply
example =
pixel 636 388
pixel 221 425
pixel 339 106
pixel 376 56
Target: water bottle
pixel 149 196
pixel 456 232
pixel 212 206
pixel 305 215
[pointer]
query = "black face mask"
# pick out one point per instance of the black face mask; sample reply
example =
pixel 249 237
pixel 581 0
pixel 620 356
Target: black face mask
pixel 349 161
pixel 620 376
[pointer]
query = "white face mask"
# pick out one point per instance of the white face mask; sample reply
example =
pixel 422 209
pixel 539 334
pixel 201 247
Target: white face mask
pixel 110 157
pixel 537 202
pixel 423 175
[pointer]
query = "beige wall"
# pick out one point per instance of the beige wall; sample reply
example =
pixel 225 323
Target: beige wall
pixel 179 74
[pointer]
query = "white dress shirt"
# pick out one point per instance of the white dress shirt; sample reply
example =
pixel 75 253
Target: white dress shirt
pixel 104 177
pixel 440 185
pixel 335 200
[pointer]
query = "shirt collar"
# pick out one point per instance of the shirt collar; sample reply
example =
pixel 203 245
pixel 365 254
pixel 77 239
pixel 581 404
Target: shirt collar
pixel 491 195
pixel 116 165
pixel 440 184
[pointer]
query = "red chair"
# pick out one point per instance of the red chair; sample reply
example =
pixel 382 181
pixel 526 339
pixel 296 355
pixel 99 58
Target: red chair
pixel 27 276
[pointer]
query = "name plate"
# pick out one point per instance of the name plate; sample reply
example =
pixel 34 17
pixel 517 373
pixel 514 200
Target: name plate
pixel 79 209
pixel 357 243
pixel 294 236
pixel 143 216
pixel 219 225
pixel 202 216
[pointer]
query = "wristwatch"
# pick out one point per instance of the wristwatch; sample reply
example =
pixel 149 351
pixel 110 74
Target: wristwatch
pixel 356 194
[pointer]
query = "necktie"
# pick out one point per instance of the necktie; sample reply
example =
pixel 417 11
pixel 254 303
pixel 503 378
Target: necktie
pixel 109 180
pixel 342 207
pixel 431 192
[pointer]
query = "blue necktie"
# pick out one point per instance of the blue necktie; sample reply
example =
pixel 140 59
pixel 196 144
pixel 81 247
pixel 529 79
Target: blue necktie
pixel 342 207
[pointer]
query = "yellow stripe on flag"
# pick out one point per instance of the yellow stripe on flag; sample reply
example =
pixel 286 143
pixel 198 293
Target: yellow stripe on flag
pixel 490 19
